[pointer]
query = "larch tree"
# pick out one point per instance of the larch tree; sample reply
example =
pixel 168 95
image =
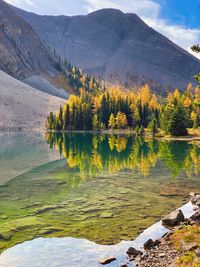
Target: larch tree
pixel 111 123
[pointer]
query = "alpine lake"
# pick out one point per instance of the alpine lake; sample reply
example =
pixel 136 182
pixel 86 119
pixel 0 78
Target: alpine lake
pixel 67 200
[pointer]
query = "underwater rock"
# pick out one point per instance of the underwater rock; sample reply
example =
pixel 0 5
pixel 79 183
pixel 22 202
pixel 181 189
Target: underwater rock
pixel 107 261
pixel 173 218
pixel 106 215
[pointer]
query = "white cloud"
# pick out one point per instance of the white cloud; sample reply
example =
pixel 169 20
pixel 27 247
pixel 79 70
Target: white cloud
pixel 182 36
pixel 140 7
pixel 148 10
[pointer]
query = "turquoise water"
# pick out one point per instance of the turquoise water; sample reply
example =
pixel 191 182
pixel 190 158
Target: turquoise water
pixel 67 200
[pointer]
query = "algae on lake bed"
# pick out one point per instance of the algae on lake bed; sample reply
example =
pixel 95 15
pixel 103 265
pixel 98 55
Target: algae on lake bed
pixel 104 192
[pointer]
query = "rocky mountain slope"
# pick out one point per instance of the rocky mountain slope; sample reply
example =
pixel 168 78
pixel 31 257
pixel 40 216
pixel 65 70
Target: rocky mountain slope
pixel 22 54
pixel 24 107
pixel 115 45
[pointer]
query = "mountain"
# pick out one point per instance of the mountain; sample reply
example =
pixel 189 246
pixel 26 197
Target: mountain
pixel 24 56
pixel 24 107
pixel 116 46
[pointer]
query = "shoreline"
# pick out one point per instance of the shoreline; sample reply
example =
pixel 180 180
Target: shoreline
pixel 178 246
pixel 188 138
pixel 156 250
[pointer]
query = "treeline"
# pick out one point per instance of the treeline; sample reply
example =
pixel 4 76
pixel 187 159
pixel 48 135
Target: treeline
pixel 76 78
pixel 80 81
pixel 117 109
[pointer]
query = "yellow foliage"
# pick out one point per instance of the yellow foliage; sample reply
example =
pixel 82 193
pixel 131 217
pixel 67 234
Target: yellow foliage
pixel 145 94
pixel 177 94
pixel 153 104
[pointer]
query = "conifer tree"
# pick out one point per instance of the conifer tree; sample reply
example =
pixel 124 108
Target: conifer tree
pixel 178 122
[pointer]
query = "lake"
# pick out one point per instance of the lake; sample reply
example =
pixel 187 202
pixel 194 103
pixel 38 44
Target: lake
pixel 69 199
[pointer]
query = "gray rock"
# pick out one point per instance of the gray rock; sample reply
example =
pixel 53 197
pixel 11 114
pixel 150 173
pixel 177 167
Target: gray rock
pixel 174 218
pixel 149 244
pixel 189 246
pixel 197 252
pixel 133 252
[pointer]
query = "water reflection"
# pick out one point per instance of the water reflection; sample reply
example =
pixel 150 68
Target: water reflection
pixel 111 153
pixel 105 189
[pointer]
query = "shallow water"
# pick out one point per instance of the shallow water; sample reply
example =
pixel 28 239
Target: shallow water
pixel 101 194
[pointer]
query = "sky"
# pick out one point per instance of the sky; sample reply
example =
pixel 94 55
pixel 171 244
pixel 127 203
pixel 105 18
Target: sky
pixel 179 20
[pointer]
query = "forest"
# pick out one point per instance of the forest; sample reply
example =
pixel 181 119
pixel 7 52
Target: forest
pixel 137 110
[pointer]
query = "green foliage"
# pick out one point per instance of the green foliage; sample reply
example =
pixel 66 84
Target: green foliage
pixel 153 126
pixel 196 48
pixel 178 122
pixel 137 110
pixel 80 81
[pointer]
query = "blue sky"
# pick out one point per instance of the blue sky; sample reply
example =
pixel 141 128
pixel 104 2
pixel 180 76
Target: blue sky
pixel 183 12
pixel 179 20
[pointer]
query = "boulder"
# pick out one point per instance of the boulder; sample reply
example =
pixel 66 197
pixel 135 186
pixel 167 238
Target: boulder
pixel 107 260
pixel 133 252
pixel 149 244
pixel 173 218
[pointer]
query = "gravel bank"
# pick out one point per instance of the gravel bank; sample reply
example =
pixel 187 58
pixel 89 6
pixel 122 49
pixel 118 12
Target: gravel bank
pixel 23 107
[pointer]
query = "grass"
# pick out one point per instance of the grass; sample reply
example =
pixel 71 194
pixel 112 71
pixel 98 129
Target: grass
pixel 189 235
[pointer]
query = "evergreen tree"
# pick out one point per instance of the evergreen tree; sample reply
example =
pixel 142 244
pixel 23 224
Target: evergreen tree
pixel 178 122
pixel 153 126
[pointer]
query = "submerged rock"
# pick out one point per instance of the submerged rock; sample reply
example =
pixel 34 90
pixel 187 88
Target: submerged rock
pixel 173 218
pixel 107 261
pixel 106 215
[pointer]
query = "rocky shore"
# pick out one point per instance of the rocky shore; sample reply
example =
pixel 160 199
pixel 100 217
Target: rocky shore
pixel 180 247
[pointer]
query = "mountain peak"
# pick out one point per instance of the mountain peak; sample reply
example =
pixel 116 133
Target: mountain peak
pixel 107 11
pixel 116 46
